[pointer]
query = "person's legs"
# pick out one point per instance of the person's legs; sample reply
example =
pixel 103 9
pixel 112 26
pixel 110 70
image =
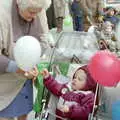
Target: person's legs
pixel 76 24
pixel 79 23
pixel 23 117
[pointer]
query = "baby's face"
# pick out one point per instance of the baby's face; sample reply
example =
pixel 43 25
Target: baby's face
pixel 79 80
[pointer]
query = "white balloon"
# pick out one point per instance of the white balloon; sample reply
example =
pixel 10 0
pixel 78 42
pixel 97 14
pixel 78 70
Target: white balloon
pixel 27 52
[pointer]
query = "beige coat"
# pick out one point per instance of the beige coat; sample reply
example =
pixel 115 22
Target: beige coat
pixel 91 10
pixel 11 28
pixel 91 7
pixel 59 8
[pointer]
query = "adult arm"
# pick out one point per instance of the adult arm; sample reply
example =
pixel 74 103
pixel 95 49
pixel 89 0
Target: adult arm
pixel 100 7
pixel 45 37
pixel 6 65
pixel 85 8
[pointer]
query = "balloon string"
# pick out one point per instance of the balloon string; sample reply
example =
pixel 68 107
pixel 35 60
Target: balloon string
pixel 116 83
pixel 49 67
pixel 94 105
pixel 51 57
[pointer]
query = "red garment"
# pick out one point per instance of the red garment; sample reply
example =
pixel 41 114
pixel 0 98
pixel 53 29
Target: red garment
pixel 80 102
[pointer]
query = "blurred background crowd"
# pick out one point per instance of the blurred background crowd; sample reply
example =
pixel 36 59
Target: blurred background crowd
pixel 84 13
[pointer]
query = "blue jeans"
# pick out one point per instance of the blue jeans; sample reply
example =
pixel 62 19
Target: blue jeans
pixel 78 23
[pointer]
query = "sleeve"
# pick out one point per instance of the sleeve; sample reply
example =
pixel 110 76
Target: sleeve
pixel 46 38
pixel 8 70
pixel 4 61
pixel 59 3
pixel 82 111
pixel 100 7
pixel 87 11
pixel 6 65
pixel 12 66
pixel 53 86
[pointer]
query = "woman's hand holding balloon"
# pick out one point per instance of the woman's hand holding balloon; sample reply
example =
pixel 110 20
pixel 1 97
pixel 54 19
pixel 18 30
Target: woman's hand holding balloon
pixel 35 73
pixel 32 74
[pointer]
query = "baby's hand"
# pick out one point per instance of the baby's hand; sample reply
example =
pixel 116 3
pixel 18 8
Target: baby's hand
pixel 65 109
pixel 45 73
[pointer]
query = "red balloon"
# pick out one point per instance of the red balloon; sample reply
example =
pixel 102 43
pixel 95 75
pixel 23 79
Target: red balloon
pixel 104 67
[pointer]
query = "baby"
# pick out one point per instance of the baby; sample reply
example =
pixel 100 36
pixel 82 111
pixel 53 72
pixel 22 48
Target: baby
pixel 76 98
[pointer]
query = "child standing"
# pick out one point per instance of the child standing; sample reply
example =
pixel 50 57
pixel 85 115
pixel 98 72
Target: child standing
pixel 76 99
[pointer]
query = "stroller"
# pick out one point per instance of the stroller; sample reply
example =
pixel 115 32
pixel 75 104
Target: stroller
pixel 77 41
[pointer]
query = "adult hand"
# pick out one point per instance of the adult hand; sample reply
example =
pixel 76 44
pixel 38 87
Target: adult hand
pixel 32 74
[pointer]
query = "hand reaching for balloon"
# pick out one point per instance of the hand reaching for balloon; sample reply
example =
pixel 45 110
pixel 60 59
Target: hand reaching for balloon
pixel 65 108
pixel 45 73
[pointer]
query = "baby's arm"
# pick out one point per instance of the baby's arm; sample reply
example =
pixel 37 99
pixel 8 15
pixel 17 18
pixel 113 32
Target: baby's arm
pixel 83 110
pixel 80 111
pixel 51 84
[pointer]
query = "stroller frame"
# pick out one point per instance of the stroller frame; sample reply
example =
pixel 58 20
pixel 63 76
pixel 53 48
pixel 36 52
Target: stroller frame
pixel 45 113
